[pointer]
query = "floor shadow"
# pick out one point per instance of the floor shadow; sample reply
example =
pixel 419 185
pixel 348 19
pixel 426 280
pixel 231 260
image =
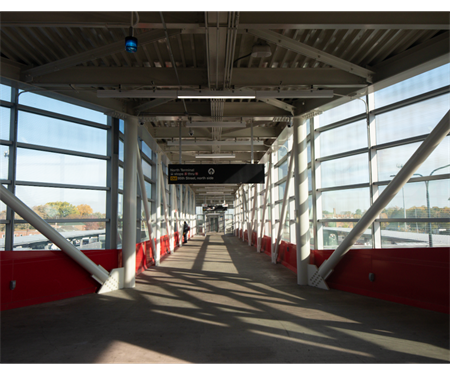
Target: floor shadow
pixel 258 315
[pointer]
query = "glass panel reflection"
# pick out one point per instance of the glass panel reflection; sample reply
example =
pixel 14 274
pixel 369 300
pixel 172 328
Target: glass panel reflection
pixel 345 171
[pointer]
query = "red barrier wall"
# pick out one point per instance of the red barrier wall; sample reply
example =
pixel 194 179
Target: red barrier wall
pixel 413 276
pixel 44 276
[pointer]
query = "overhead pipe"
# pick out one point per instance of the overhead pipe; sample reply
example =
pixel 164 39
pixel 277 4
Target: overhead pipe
pixel 426 148
pixel 110 281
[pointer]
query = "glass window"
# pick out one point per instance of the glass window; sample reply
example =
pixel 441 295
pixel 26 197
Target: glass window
pixel 412 202
pixel 345 171
pixel 415 234
pixel 57 106
pixel 413 120
pixel 41 166
pixel 120 179
pixel 5 93
pixel 83 235
pixel 148 189
pixel 121 146
pixel 57 203
pixel 122 126
pixel 285 232
pixel 5 121
pixel 350 109
pixel 281 189
pixel 345 204
pixel 283 150
pixel 283 170
pixel 50 132
pixel 119 220
pixel 345 138
pixel 4 162
pixel 146 150
pixel 392 159
pixel 146 169
pixel 335 233
pixel 417 85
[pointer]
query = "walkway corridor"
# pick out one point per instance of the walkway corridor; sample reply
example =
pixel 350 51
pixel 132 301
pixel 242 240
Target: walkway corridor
pixel 218 301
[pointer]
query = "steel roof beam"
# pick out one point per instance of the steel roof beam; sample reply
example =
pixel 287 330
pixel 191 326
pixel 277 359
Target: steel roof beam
pixel 248 20
pixel 311 52
pixel 195 77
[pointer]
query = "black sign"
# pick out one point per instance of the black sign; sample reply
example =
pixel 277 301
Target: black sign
pixel 216 173
pixel 214 208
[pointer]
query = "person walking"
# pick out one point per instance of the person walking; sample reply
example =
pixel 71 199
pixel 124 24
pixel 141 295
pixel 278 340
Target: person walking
pixel 186 229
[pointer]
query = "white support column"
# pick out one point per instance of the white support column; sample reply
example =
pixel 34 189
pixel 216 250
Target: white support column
pixel 129 202
pixel 425 149
pixel 300 153
pixel 373 167
pixel 317 170
pixel 158 213
pixel 166 216
pixel 252 223
pixel 283 207
pixel 272 207
pixel 177 214
pixel 141 180
pixel 263 218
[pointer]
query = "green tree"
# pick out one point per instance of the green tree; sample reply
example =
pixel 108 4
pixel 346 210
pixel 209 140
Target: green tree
pixel 62 209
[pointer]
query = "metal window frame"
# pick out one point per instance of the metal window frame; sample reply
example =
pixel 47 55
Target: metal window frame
pixel 12 182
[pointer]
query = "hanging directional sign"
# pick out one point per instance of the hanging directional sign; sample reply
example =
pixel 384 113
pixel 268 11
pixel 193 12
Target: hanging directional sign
pixel 216 173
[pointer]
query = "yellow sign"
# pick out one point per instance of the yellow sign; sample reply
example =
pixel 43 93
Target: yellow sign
pixel 173 178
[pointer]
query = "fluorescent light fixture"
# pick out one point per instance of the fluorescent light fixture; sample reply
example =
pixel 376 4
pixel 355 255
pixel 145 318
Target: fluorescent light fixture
pixel 214 143
pixel 216 125
pixel 215 156
pixel 215 193
pixel 209 94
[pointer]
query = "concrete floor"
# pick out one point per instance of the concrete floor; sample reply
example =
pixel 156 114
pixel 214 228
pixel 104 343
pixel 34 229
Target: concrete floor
pixel 218 301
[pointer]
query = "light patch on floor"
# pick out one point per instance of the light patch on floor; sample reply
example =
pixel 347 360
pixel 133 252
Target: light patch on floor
pixel 199 320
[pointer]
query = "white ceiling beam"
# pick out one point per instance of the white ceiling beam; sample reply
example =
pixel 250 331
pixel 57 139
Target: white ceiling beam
pixel 213 94
pixel 311 52
pixel 242 77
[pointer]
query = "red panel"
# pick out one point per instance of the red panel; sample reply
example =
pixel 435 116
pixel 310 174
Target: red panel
pixel 43 276
pixel 6 275
pixel 416 277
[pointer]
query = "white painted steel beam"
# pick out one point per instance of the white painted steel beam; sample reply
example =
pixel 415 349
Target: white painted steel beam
pixel 158 213
pixel 311 52
pixel 213 94
pixel 141 180
pixel 166 217
pixel 300 153
pixel 438 134
pixel 283 208
pixel 252 223
pixel 129 202
pixel 266 192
